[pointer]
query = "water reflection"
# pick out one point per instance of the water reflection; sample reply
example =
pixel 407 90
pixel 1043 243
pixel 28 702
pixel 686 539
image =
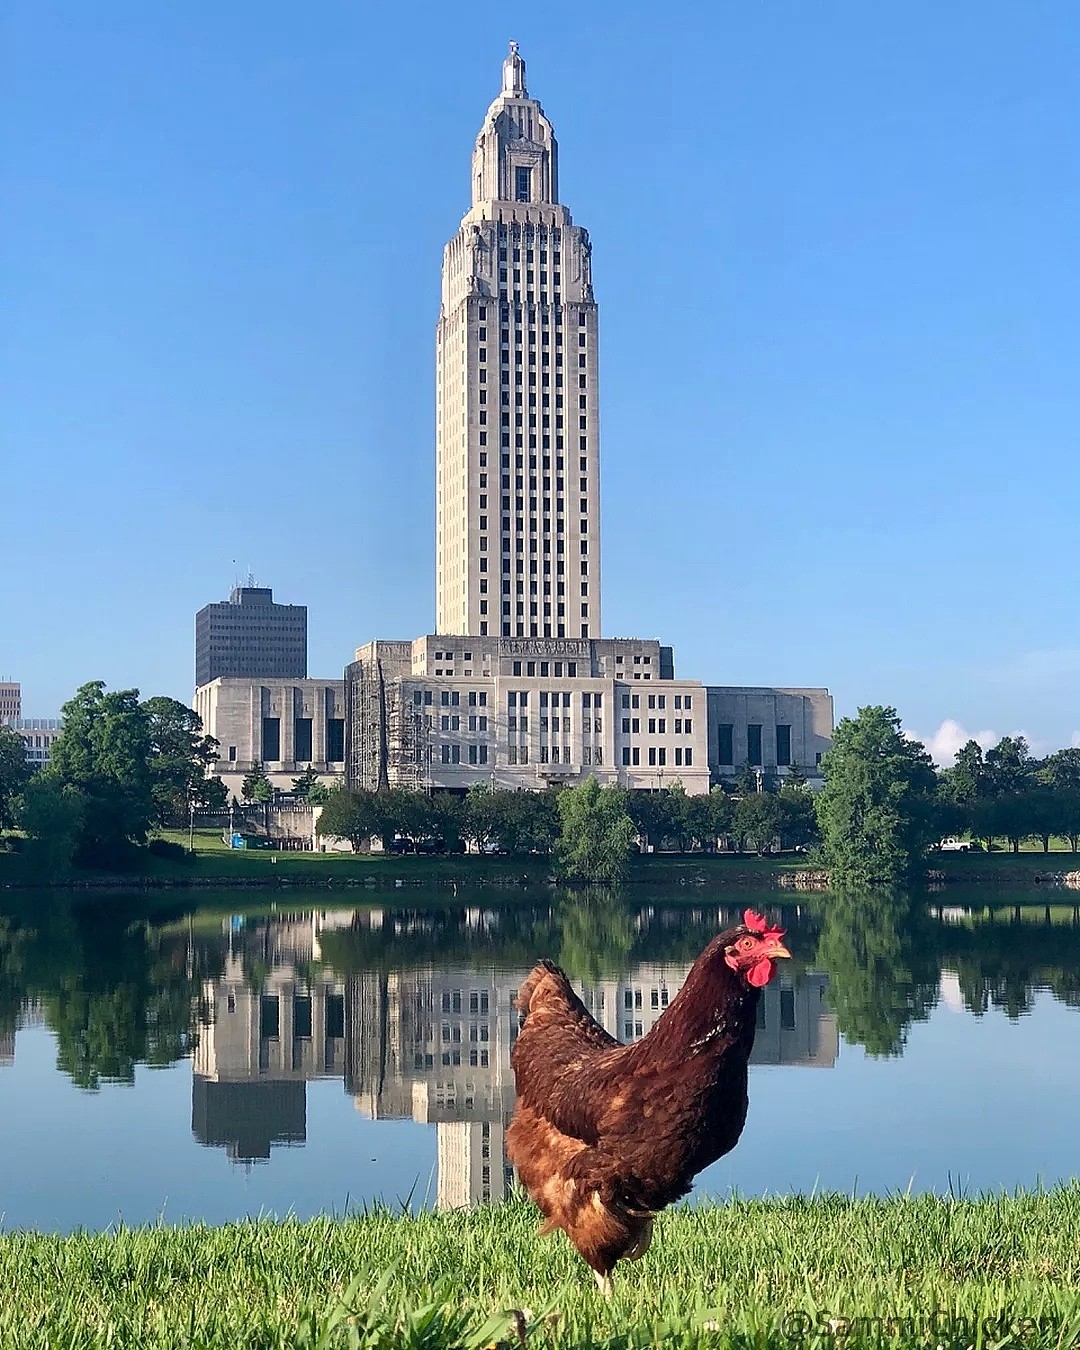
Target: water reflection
pixel 425 1042
pixel 410 1009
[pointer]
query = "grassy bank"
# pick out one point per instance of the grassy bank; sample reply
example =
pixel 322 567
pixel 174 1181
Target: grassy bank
pixel 1003 1271
pixel 217 865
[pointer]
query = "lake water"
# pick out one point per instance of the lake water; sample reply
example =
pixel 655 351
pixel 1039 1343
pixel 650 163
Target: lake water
pixel 273 1055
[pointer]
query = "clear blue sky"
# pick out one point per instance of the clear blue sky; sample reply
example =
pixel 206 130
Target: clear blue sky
pixel 835 251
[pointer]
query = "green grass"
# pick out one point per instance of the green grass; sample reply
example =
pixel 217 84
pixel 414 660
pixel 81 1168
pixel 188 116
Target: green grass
pixel 897 1272
pixel 214 861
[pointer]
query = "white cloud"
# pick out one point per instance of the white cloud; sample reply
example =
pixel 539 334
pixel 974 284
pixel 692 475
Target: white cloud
pixel 949 737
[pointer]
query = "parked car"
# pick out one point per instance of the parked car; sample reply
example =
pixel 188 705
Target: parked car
pixel 953 845
pixel 401 845
pixel 431 845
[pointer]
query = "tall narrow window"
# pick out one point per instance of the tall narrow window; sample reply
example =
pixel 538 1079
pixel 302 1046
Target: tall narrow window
pixel 271 738
pixel 726 748
pixel 753 743
pixel 522 184
pixel 783 744
pixel 335 737
pixel 302 740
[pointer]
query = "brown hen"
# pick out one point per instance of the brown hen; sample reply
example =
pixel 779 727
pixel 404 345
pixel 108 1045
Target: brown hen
pixel 604 1135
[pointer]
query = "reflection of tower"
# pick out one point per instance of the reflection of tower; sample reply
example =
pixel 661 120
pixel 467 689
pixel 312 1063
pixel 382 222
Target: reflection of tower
pixel 257 1049
pixel 472 1162
pixel 435 1046
pixel 7 1049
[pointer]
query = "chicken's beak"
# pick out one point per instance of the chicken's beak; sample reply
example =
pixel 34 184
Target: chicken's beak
pixel 777 949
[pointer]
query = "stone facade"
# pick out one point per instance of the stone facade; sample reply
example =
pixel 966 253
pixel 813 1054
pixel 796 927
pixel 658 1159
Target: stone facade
pixel 770 729
pixel 517 440
pixel 286 726
pixel 448 713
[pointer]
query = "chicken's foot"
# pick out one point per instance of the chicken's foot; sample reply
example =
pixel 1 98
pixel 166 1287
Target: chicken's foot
pixel 603 1283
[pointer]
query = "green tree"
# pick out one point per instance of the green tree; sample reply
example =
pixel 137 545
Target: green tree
pixel 795 777
pixel 876 810
pixel 257 788
pixel 708 816
pixel 14 773
pixel 679 816
pixel 969 779
pixel 302 786
pixel 210 794
pixel 798 820
pixel 180 756
pixel 1009 765
pixel 481 817
pixel 745 779
pixel 1061 773
pixel 104 751
pixel 52 813
pixel 651 815
pixel 757 821
pixel 350 815
pixel 596 833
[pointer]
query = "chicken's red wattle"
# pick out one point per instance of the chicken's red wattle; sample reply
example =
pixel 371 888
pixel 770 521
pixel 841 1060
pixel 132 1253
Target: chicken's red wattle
pixel 761 973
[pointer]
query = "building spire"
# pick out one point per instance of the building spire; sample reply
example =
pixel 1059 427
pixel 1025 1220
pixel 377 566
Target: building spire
pixel 513 82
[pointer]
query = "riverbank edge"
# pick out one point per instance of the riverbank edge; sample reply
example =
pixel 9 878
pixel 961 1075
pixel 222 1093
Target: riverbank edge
pixel 737 1272
pixel 390 875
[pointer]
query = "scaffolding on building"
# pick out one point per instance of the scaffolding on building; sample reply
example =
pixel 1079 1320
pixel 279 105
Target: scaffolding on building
pixel 408 741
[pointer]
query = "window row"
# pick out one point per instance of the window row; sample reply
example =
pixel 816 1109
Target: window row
pixel 450 698
pixel 657 757
pixel 546 668
pixel 681 726
pixel 451 754
pixel 659 701
pixel 726 745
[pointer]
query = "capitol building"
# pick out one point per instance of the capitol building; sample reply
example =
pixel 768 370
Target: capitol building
pixel 518 686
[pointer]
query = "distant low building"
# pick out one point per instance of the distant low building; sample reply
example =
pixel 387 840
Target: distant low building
pixel 286 726
pixel 39 735
pixel 773 730
pixel 10 700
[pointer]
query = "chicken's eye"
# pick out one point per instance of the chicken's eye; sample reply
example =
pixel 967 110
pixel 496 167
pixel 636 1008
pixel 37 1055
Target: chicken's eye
pixel 746 942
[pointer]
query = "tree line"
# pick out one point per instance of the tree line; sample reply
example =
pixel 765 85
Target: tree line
pixel 121 766
pixel 884 806
pixel 591 830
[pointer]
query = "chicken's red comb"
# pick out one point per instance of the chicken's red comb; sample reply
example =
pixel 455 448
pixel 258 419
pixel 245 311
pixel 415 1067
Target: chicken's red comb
pixel 757 923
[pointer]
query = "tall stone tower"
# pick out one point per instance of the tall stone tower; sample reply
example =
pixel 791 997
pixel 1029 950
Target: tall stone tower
pixel 517 441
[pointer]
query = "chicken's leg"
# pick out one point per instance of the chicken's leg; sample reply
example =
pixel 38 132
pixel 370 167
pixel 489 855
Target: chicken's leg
pixel 603 1283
